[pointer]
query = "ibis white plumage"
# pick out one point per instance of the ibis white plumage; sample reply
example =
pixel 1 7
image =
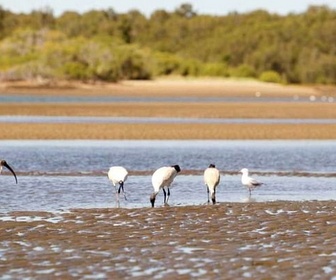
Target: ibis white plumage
pixel 211 180
pixel 161 179
pixel 248 181
pixel 5 164
pixel 118 176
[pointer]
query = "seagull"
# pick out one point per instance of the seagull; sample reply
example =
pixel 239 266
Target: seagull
pixel 118 176
pixel 211 180
pixel 161 179
pixel 249 182
pixel 5 164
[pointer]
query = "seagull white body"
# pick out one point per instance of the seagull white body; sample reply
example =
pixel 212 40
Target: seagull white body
pixel 211 180
pixel 5 164
pixel 161 179
pixel 248 181
pixel 118 176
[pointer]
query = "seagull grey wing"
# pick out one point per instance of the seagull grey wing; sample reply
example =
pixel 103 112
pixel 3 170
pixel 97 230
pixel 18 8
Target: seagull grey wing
pixel 255 182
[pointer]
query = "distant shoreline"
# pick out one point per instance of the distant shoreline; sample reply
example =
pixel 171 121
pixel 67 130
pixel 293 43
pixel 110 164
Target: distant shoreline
pixel 176 88
pixel 165 86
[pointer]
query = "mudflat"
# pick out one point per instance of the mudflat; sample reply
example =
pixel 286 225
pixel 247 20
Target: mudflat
pixel 167 131
pixel 271 240
pixel 181 110
pixel 171 88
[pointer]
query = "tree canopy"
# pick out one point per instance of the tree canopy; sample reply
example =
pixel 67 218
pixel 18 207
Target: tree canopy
pixel 110 46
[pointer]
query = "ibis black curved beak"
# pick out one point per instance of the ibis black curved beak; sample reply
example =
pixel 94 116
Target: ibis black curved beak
pixel 152 199
pixel 5 164
pixel 213 198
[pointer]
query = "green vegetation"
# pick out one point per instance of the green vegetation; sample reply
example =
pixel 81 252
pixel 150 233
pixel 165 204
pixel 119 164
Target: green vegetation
pixel 270 77
pixel 107 46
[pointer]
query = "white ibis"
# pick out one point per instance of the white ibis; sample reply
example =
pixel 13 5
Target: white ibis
pixel 248 181
pixel 211 180
pixel 118 176
pixel 161 179
pixel 5 164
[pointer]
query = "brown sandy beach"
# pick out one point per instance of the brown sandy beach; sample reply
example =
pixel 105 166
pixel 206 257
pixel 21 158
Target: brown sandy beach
pixel 175 88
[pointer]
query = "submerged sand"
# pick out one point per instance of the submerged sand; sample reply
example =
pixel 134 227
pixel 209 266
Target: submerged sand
pixel 271 240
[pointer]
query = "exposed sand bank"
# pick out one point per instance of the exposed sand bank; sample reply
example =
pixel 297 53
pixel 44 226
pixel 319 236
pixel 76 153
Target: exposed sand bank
pixel 168 131
pixel 176 88
pixel 166 87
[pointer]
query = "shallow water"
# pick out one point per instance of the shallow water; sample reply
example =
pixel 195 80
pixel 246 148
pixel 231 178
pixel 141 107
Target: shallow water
pixel 55 175
pixel 81 119
pixel 4 98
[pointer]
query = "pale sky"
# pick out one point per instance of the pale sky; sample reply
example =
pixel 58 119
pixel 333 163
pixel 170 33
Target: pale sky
pixel 213 7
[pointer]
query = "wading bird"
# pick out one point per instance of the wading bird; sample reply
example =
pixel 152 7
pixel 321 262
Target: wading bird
pixel 5 164
pixel 248 181
pixel 118 176
pixel 211 180
pixel 161 179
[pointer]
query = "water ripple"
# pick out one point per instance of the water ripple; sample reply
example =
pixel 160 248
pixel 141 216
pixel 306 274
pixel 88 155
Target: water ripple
pixel 85 119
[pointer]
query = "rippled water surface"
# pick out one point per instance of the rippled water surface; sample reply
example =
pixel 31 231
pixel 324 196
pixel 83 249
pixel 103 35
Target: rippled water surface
pixel 56 175
pixel 103 99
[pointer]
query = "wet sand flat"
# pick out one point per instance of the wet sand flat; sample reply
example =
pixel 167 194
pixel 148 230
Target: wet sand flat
pixel 172 88
pixel 171 130
pixel 168 131
pixel 272 240
pixel 170 109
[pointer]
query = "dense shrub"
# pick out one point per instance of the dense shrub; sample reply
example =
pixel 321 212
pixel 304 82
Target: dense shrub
pixel 166 64
pixel 214 70
pixel 270 77
pixel 242 71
